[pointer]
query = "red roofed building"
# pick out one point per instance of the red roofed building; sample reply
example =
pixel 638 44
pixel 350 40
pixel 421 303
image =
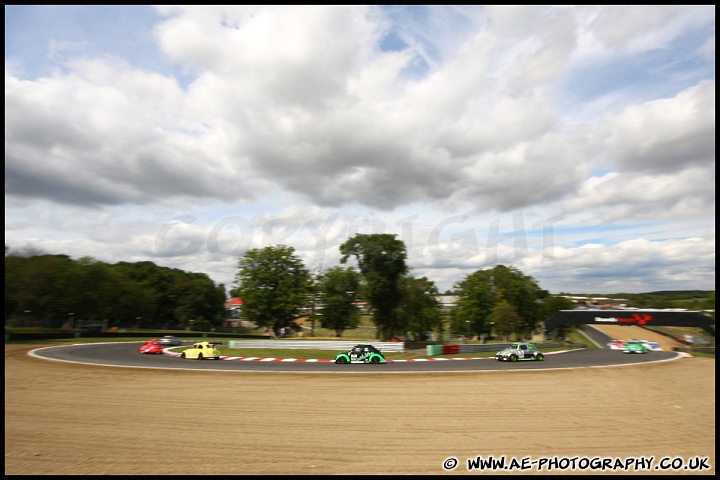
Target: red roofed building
pixel 233 309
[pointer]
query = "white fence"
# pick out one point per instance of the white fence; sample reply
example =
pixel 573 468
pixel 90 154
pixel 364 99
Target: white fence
pixel 314 344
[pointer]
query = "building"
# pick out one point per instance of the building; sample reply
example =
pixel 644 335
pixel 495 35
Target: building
pixel 233 312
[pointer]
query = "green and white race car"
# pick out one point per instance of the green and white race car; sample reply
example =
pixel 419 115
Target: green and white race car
pixel 636 346
pixel 519 351
pixel 361 353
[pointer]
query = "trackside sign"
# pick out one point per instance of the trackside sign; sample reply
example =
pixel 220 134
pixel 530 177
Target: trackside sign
pixel 651 318
pixel 636 319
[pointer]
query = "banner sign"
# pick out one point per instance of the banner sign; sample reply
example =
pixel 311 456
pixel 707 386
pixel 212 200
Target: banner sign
pixel 647 318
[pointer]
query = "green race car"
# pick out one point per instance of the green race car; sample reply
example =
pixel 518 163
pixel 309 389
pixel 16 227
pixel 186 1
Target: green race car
pixel 361 353
pixel 635 346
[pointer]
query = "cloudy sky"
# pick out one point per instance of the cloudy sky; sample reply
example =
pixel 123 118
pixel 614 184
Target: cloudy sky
pixel 576 143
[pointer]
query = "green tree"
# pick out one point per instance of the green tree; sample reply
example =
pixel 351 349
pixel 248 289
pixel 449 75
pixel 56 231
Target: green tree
pixel 338 288
pixel 274 286
pixel 171 296
pixel 521 291
pixel 553 304
pixel 480 292
pixel 199 304
pixel 55 288
pixel 158 282
pixel 476 299
pixel 708 305
pixel 44 284
pixel 381 260
pixel 506 318
pixel 420 307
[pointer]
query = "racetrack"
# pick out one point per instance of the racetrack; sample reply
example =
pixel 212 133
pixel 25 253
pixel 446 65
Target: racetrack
pixel 126 354
pixel 63 418
pixel 627 332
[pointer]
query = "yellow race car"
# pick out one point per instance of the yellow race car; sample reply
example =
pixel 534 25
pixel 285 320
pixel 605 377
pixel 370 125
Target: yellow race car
pixel 202 351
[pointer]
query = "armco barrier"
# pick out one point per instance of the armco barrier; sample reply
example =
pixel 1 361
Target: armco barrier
pixel 450 348
pixel 314 344
pixel 433 350
pixel 495 347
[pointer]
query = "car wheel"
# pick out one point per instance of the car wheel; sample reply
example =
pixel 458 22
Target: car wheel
pixel 341 360
pixel 375 360
pixel 182 355
pixel 200 356
pixel 539 357
pixel 513 358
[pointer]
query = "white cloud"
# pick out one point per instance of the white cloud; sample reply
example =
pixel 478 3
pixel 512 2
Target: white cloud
pixel 452 123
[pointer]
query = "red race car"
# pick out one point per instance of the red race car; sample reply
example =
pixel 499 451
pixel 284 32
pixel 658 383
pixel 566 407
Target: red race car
pixel 152 346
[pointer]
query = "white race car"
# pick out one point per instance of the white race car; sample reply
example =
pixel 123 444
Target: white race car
pixel 653 346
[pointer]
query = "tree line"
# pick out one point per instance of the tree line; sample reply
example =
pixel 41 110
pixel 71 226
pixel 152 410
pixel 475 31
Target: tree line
pixel 55 290
pixel 277 290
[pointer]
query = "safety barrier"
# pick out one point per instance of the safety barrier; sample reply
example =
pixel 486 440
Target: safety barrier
pixel 433 350
pixel 314 344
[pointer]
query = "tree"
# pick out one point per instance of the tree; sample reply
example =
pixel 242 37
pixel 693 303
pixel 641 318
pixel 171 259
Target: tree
pixel 274 285
pixel 708 304
pixel 198 302
pixel 506 318
pixel 381 261
pixel 521 291
pixel 171 296
pixel 472 311
pixel 553 304
pixel 55 288
pixel 420 307
pixel 338 288
pixel 480 292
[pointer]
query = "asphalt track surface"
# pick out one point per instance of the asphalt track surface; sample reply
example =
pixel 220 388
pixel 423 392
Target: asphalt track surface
pixel 126 354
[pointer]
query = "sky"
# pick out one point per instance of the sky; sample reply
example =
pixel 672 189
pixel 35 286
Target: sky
pixel 574 143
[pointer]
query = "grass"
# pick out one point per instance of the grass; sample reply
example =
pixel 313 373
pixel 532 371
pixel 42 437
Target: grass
pixel 677 332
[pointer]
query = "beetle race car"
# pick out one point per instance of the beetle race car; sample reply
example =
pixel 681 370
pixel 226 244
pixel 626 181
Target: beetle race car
pixel 635 346
pixel 202 351
pixel 652 346
pixel 170 340
pixel 519 351
pixel 361 353
pixel 152 346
